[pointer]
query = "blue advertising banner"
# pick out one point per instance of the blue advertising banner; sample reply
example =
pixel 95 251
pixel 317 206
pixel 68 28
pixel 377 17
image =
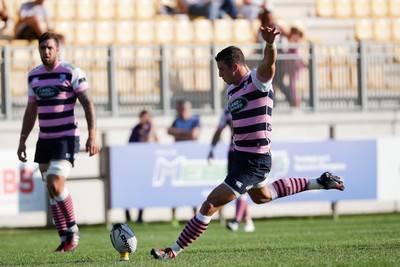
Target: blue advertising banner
pixel 145 175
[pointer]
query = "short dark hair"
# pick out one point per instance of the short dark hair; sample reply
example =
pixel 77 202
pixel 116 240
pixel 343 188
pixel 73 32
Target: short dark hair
pixel 230 56
pixel 143 112
pixel 47 36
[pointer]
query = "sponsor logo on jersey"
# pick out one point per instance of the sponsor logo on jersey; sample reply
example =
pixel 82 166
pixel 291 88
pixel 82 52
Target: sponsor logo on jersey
pixel 62 78
pixel 237 104
pixel 47 92
pixel 246 83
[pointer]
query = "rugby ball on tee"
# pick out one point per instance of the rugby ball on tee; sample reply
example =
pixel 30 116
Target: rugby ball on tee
pixel 123 238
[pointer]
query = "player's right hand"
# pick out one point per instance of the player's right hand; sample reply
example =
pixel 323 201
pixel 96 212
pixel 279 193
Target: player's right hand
pixel 210 157
pixel 22 152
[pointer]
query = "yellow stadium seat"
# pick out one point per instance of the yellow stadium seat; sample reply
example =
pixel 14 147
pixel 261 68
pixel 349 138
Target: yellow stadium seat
pixel 343 8
pixel 325 8
pixel 144 32
pixel 124 32
pixel 104 32
pixel 65 10
pixel 222 31
pixel 145 9
pixel 105 9
pixel 382 30
pixel 379 8
pixel 67 28
pixel 394 8
pixel 84 33
pixel 203 31
pixel 50 4
pixel 361 8
pixel 396 30
pixel 183 32
pixel 363 30
pixel 86 10
pixel 242 31
pixel 125 10
pixel 164 30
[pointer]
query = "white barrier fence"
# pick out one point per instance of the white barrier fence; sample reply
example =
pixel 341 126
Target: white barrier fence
pixel 373 182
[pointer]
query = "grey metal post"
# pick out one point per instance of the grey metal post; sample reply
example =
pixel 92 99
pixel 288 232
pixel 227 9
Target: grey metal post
pixel 362 76
pixel 112 90
pixel 6 104
pixel 312 64
pixel 216 94
pixel 164 82
pixel 105 176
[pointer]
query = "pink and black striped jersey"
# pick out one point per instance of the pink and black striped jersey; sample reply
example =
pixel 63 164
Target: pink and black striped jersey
pixel 55 94
pixel 251 103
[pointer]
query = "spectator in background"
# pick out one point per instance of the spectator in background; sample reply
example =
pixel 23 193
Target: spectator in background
pixel 211 9
pixel 251 8
pixel 3 14
pixel 142 132
pixel 242 210
pixel 33 21
pixel 293 67
pixel 185 127
pixel 267 19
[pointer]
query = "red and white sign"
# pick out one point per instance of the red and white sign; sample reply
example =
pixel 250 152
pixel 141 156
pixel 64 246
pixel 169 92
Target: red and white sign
pixel 21 185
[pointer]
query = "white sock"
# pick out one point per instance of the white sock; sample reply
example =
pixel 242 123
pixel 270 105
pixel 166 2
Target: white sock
pixel 62 196
pixel 176 248
pixel 73 228
pixel 203 218
pixel 313 184
pixel 272 190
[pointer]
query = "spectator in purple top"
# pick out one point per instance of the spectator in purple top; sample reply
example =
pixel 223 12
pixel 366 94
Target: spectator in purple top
pixel 142 132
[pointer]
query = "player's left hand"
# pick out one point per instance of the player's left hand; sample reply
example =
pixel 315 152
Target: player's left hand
pixel 268 34
pixel 91 146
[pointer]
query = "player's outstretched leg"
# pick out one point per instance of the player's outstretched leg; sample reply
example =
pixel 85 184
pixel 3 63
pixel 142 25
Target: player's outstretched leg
pixel 290 186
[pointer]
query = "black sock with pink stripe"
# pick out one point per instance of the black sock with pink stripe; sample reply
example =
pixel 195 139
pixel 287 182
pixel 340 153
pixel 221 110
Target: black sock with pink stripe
pixel 66 206
pixel 288 186
pixel 59 219
pixel 193 230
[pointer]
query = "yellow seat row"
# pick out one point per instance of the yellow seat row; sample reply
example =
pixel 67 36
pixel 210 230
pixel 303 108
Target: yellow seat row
pixel 94 10
pixel 159 31
pixel 358 8
pixel 378 30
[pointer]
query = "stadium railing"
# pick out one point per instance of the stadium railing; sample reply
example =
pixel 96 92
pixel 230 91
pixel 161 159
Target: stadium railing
pixel 125 79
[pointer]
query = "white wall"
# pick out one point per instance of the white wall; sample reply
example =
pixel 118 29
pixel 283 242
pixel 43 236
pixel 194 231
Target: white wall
pixel 88 195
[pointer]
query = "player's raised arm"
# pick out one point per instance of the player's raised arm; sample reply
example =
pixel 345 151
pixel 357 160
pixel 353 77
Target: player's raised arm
pixel 266 68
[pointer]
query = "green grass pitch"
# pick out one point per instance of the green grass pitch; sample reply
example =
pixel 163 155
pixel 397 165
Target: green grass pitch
pixel 363 240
